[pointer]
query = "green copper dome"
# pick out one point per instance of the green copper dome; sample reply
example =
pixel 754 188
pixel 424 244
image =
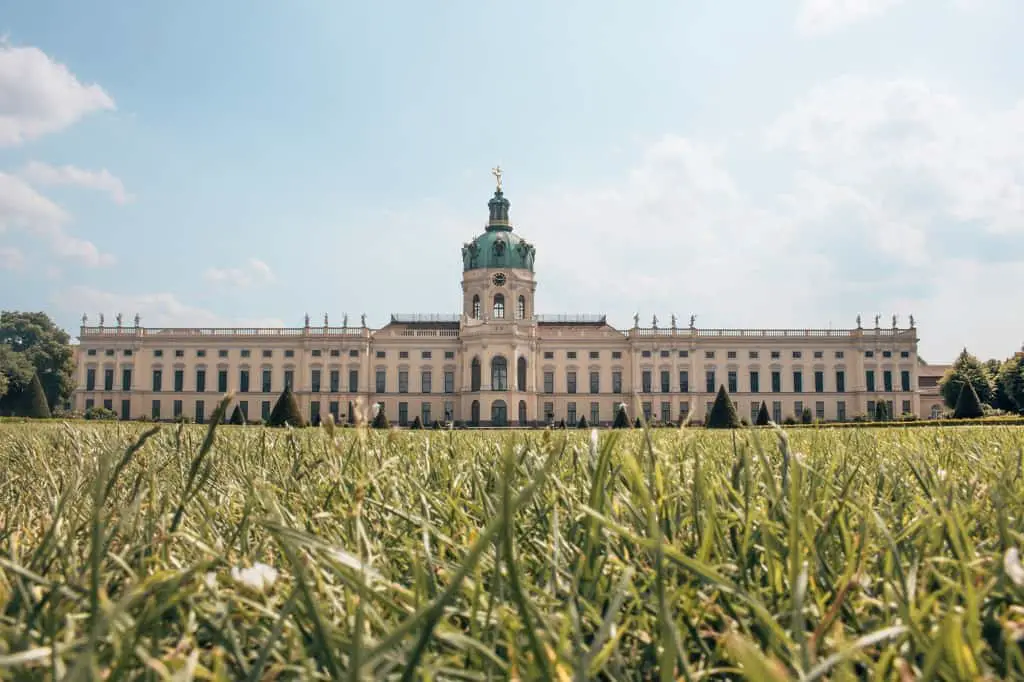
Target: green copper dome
pixel 498 247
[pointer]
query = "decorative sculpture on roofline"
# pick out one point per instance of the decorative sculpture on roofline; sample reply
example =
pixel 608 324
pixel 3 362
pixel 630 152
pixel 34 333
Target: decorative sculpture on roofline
pixel 119 318
pixel 911 321
pixel 496 172
pixel 673 321
pixel 344 320
pixel 101 319
pixel 636 320
pixel 877 318
pixel 85 319
pixel 858 321
pixel 325 320
pixel 138 320
pixel 693 321
pixel 894 321
pixel 654 321
pixel 307 320
pixel 364 319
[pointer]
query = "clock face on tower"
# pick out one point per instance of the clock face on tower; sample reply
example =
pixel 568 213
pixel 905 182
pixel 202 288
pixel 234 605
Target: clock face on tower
pixel 499 279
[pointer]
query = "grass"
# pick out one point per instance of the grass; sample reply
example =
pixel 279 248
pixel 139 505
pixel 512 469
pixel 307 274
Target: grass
pixel 184 552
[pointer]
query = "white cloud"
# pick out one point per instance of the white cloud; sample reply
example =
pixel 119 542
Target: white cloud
pixel 22 208
pixel 818 17
pixel 39 95
pixel 102 180
pixel 155 309
pixel 11 258
pixel 254 272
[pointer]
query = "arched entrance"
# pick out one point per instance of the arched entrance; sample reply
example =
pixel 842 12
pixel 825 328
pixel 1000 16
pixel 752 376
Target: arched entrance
pixel 521 374
pixel 499 413
pixel 522 413
pixel 474 413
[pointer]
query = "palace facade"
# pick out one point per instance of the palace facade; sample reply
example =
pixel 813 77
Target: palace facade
pixel 499 363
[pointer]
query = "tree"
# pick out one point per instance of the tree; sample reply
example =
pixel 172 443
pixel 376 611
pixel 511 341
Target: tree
pixel 582 423
pixel 46 346
pixel 881 413
pixel 1011 381
pixel 286 410
pixel 33 401
pixel 968 404
pixel 416 424
pixel 806 417
pixel 762 415
pixel 723 412
pixel 16 374
pixel 380 420
pixel 237 418
pixel 966 368
pixel 621 418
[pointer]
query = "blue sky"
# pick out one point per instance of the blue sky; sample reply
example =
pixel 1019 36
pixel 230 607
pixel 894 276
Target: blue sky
pixel 782 164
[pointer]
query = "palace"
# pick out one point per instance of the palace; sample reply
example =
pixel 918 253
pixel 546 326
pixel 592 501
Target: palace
pixel 499 363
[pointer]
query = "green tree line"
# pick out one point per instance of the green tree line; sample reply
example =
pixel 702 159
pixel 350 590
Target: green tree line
pixel 36 365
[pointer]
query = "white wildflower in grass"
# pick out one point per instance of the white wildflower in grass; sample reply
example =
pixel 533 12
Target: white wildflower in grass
pixel 352 561
pixel 259 576
pixel 210 580
pixel 593 444
pixel 1012 566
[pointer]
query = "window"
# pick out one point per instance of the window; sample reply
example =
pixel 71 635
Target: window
pixel 684 410
pixel 243 405
pixel 289 379
pixel 222 354
pixel 335 379
pixel 314 411
pixel 353 381
pixel 403 414
pixel 798 381
pixel 314 379
pixel 89 402
pixel 777 411
pixel 521 308
pixel 109 352
pixel 905 380
pixel 819 410
pixel 425 413
pixel 645 354
pixel 403 355
pixel 243 381
pixel 776 382
pixel 126 379
pixel 332 408
pixel 90 379
pixel 426 379
pixel 666 411
pixel 499 307
pixel 177 407
pixel 818 355
pixel 904 353
pixel 732 382
pixel 126 410
pixel 841 410
pixel 869 353
pixel 709 355
pixel 268 353
pixel 906 407
pixel 684 353
pixel 476 307
pixel 267 386
pixel 381 354
pixel 499 373
pixel 684 381
pixel 755 409
pixel 108 404
pixel 289 353
pixel 594 355
pixel 382 380
pixel 549 382
pixel 616 355
pixel 179 380
pixel 158 380
pixel 616 382
pixel 549 355
pixel 646 381
pixel 755 381
pixel 570 382
pixel 887 380
pixel 200 353
pixel 731 355
pixel 317 353
pixel 870 379
pixel 840 381
pixel 91 351
pixel 570 414
pixel 886 353
pixel 200 412
pixel 222 381
pixel 155 410
pixel 571 354
pixel 353 353
pixel 200 380
pixel 889 409
pixel 709 381
pixel 798 409
pixel 595 413
pixel 595 382
pixel 449 382
pixel 449 410
pixel 108 380
pixel 179 354
pixel 664 353
pixel 666 381
pixel 158 353
pixel 426 355
pixel 797 355
pixel 871 410
pixel 449 355
pixel 265 410
pixel 474 375
pixel 753 355
pixel 335 353
pixel 819 382
pixel 776 355
pixel 839 355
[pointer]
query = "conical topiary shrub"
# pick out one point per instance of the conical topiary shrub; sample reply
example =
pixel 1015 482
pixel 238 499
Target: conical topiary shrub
pixel 881 414
pixel 806 417
pixel 723 412
pixel 286 411
pixel 762 415
pixel 416 424
pixel 236 416
pixel 582 423
pixel 968 405
pixel 380 420
pixel 621 418
pixel 638 424
pixel 33 400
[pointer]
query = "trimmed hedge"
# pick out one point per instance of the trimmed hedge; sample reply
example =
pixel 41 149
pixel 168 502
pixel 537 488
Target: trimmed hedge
pixel 897 423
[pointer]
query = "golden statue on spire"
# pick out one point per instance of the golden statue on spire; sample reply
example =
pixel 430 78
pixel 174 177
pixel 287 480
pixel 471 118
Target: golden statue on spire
pixel 496 172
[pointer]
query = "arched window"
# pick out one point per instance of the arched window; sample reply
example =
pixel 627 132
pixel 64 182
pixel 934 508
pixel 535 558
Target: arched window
pixel 522 413
pixel 474 375
pixel 521 308
pixel 474 413
pixel 521 374
pixel 499 307
pixel 476 307
pixel 499 373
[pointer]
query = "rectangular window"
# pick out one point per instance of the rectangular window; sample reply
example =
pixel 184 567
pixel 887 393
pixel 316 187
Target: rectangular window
pixel 267 383
pixel 646 381
pixel 666 411
pixel 222 381
pixel 798 409
pixel 570 382
pixel 755 381
pixel 179 380
pixel 126 408
pixel 155 410
pixel 289 353
pixel 314 411
pixel 905 380
pixel 314 379
pixel 449 410
pixel 549 412
pixel 353 381
pixel 684 410
pixel 449 382
pixel 89 403
pixel 594 355
pixel 403 355
pixel 819 382
pixel 819 410
pixel 732 382
pixel 595 382
pixel 869 376
pixel 798 381
pixel 776 382
pixel 707 408
pixel 158 380
pixel 684 381
pixel 200 411
pixel 268 353
pixel 425 414
pixel 871 410
pixel 243 381
pixel 616 355
pixel 666 381
pixel 403 381
pixel 709 381
pixel 90 379
pixel 426 355
pixel 595 413
pixel 265 410
pixel 777 411
pixel 616 382
pixel 889 409
pixel 840 381
pixel 426 381
pixel 335 379
pixel 222 354
pixel 108 380
pixel 570 414
pixel 382 380
pixel 755 409
pixel 243 405
pixel 108 404
pixel 841 410
pixel 549 382
pixel 403 414
pixel 887 380
pixel 289 379
pixel 200 380
pixel 353 353
pixel 332 408
pixel 906 407
pixel 177 407
pixel 647 410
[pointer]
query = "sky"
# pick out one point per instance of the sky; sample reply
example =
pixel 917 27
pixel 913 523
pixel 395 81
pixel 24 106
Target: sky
pixel 784 164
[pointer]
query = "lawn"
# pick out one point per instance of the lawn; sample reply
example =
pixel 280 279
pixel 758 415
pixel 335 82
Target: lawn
pixel 130 551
